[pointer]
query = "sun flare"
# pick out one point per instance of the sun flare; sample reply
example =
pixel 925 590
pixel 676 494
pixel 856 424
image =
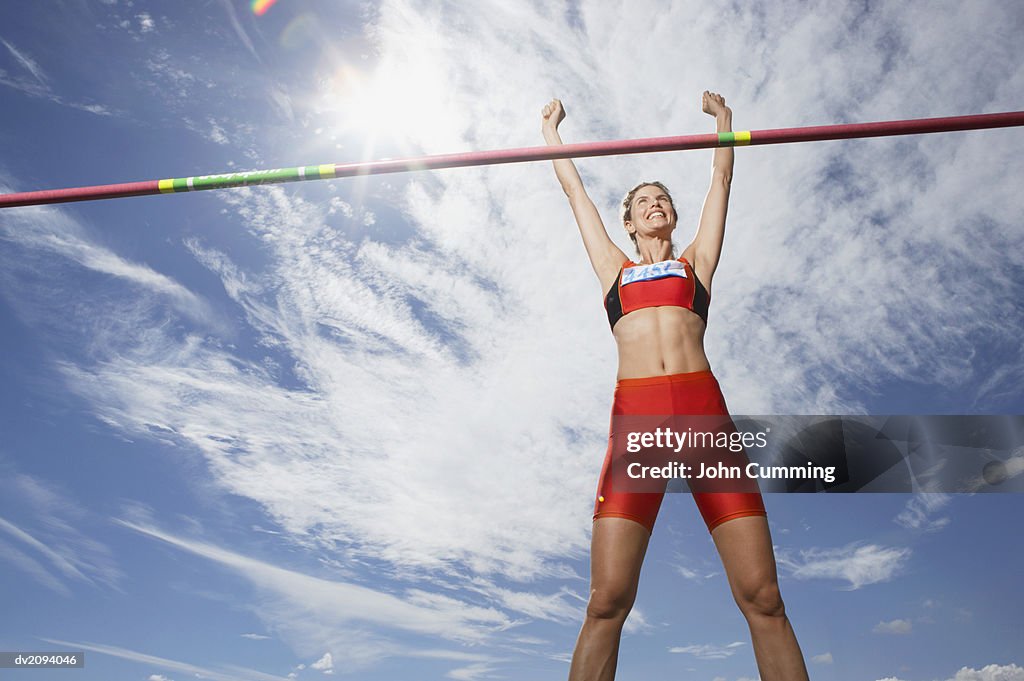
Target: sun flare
pixel 390 106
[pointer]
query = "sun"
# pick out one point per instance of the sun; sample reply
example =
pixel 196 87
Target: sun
pixel 394 105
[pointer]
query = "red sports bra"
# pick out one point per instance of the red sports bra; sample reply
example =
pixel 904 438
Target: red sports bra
pixel 667 283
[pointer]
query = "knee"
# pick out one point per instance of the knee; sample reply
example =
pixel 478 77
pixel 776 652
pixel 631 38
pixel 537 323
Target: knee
pixel 761 600
pixel 609 604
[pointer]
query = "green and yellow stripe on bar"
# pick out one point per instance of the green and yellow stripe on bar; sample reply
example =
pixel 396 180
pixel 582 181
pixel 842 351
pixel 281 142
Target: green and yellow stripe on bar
pixel 734 139
pixel 225 180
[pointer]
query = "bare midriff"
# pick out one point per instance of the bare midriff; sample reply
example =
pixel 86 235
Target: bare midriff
pixel 658 341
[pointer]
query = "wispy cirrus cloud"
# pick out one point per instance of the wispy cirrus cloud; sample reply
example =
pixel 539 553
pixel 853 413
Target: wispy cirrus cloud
pixel 47 542
pixel 39 84
pixel 707 651
pixel 920 509
pixel 225 674
pixel 27 62
pixel 351 621
pixel 44 232
pixel 62 564
pixel 859 564
pixel 472 672
pixel 236 26
pixel 562 606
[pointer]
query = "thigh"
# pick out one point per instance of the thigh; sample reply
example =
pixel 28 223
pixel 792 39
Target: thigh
pixel 745 547
pixel 617 552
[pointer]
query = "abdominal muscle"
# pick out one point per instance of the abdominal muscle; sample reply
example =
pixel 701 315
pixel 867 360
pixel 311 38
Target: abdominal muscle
pixel 657 341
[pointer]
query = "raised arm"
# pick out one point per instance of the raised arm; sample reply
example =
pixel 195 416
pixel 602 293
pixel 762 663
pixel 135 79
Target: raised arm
pixel 707 244
pixel 605 256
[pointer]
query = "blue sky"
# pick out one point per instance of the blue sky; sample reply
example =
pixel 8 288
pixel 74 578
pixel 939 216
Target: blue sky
pixel 353 428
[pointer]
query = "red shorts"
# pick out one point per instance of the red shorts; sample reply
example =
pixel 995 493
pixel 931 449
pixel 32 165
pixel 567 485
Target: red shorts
pixel 696 393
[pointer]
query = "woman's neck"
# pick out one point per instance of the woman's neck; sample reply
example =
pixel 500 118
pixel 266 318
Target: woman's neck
pixel 655 250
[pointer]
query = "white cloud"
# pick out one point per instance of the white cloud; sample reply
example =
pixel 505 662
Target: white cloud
pixel 337 204
pixel 636 623
pixel 27 62
pixel 705 572
pixel 216 132
pixel 688 573
pixel 49 544
pixel 60 562
pixel 171 82
pixel 363 352
pixel 858 564
pixel 351 620
pixel 44 232
pixel 146 23
pixel 471 672
pixel 103 260
pixel 824 658
pixel 236 25
pixel 324 664
pixel 991 672
pixel 706 651
pixel 38 86
pixel 893 627
pixel 918 511
pixel 32 567
pixel 552 607
pixel 242 674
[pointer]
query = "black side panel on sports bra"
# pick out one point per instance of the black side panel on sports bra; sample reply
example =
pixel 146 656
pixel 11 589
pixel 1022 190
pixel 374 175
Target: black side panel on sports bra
pixel 612 302
pixel 701 299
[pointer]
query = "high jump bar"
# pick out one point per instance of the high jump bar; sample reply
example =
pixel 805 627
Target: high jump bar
pixel 916 126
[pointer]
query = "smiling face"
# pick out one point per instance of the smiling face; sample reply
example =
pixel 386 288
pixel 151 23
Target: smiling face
pixel 648 211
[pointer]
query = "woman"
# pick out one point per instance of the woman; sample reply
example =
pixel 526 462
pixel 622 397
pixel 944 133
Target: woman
pixel 658 312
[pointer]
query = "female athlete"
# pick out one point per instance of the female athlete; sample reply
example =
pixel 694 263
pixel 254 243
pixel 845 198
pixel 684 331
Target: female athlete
pixel 658 313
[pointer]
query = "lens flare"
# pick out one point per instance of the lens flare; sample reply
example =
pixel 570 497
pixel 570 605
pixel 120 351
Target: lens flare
pixel 260 7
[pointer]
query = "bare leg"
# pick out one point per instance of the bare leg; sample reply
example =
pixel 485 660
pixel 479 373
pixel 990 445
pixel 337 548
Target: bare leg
pixel 617 550
pixel 745 546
